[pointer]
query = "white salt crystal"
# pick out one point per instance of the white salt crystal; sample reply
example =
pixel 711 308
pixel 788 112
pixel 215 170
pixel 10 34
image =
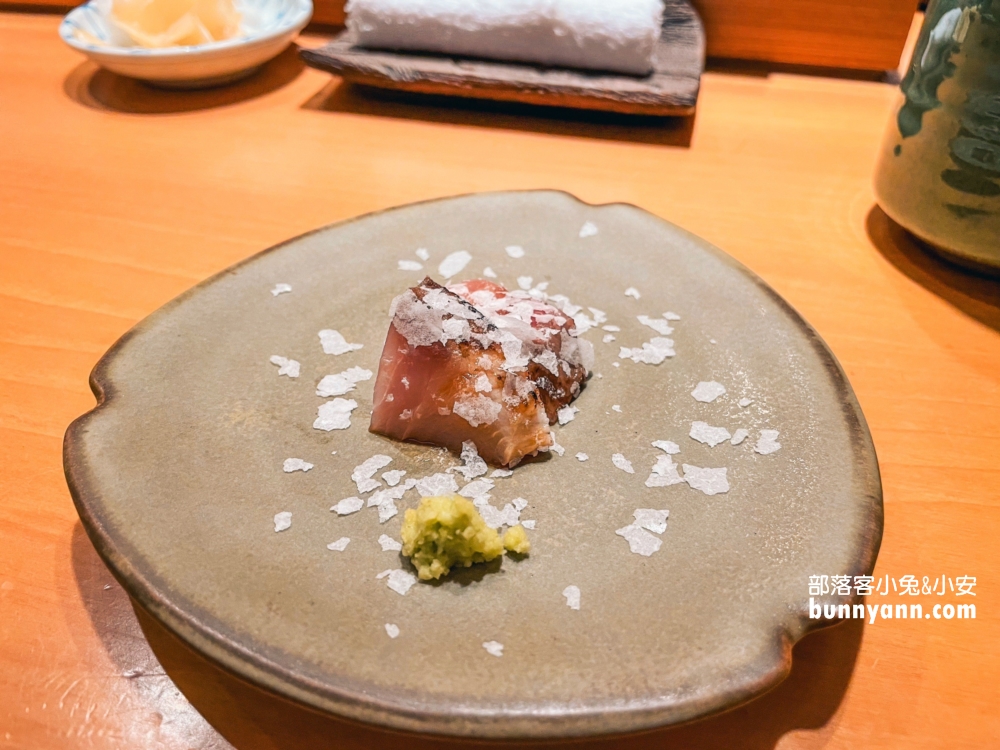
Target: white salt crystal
pixel 640 541
pixel 709 481
pixel 707 392
pixel 572 594
pixel 515 251
pixel 599 315
pixel 519 503
pixel 389 544
pixel 557 449
pixel 653 352
pixel 622 463
pixel 711 436
pixel 477 410
pixel 348 505
pixel 340 545
pixel 295 464
pixel 501 473
pixel 335 415
pixel 739 436
pixel 582 456
pixel 483 384
pixel 410 265
pixel 281 289
pixel 615 364
pixel 530 525
pixel 392 477
pixel 289 367
pixel 667 446
pixel 477 488
pixel 363 472
pixel 422 253
pixel 524 282
pixel 767 442
pixel 650 519
pixel 617 408
pixel 343 382
pixel 589 229
pixel 386 510
pixel 671 315
pixel 745 402
pixel 385 496
pixel 282 520
pixel 454 263
pixel 391 630
pixel 489 273
pixel 608 338
pixel 436 485
pixel 613 329
pixel 664 473
pixel 632 292
pixel 333 342
pixel 493 648
pixel 567 414
pixel 472 465
pixel 659 325
pixel 400 581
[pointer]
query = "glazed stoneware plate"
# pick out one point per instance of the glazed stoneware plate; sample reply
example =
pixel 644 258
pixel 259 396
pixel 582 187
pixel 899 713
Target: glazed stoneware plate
pixel 178 475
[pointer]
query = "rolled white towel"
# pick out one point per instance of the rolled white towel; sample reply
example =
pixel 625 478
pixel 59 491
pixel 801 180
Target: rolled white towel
pixel 614 35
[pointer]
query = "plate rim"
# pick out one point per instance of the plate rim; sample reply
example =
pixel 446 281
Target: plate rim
pixel 592 721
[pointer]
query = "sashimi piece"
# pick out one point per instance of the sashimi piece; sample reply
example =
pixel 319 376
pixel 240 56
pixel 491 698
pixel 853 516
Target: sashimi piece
pixel 473 361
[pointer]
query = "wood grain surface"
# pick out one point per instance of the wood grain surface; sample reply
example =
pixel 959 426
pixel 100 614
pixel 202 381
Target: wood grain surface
pixel 671 89
pixel 114 198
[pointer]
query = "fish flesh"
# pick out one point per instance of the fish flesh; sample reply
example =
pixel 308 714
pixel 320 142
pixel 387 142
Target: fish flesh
pixel 474 361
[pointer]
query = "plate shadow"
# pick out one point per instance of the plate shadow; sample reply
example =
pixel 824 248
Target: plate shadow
pixel 340 96
pixel 251 719
pixel 975 295
pixel 97 88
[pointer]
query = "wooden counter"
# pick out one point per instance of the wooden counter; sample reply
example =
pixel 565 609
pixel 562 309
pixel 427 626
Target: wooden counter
pixel 114 198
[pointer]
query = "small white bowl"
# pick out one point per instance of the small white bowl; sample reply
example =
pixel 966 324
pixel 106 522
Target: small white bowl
pixel 268 26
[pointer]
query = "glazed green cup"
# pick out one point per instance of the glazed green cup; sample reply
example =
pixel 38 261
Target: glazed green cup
pixel 938 173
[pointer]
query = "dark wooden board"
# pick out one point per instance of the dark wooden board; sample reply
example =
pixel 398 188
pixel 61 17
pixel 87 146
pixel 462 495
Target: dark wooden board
pixel 671 89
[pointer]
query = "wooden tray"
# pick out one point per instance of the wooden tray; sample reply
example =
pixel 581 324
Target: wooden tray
pixel 671 89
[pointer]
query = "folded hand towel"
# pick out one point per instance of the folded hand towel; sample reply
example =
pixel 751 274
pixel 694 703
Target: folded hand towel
pixel 613 35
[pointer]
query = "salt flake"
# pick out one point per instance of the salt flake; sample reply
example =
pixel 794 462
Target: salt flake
pixel 589 229
pixel 572 594
pixel 617 408
pixel 410 265
pixel 348 505
pixel 567 414
pixel 501 473
pixel 707 392
pixel 343 382
pixel 711 436
pixel 282 521
pixel 340 545
pixel 392 477
pixel 667 446
pixel 454 263
pixel 632 292
pixel 281 289
pixel 437 485
pixel 391 630
pixel 739 436
pixel 608 338
pixel 709 481
pixel 514 251
pixel 659 325
pixel 640 541
pixel 664 473
pixel 650 519
pixel 389 544
pixel 289 367
pixel 622 463
pixel 582 456
pixel 767 443
pixel 745 402
pixel 363 472
pixel 493 648
pixel 477 410
pixel 295 464
pixel 524 282
pixel 489 273
pixel 335 415
pixel 613 329
pixel 400 581
pixel 653 352
pixel 530 525
pixel 421 252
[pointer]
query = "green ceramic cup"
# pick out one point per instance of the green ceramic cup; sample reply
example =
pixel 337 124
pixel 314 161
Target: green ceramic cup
pixel 938 173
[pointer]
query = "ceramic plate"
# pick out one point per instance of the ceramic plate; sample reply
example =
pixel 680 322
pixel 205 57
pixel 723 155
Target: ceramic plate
pixel 177 475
